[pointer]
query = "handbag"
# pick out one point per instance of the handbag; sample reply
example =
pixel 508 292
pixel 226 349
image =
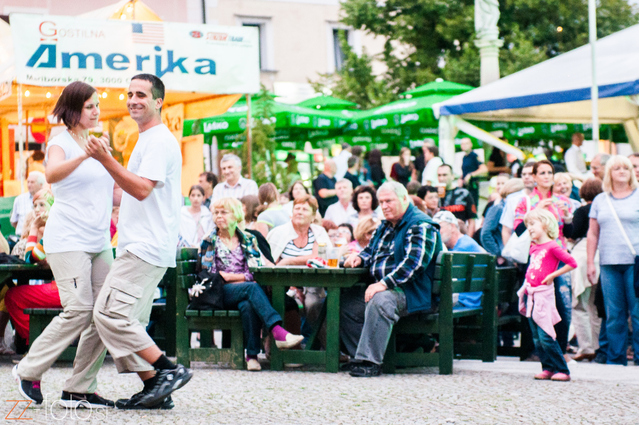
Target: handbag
pixel 517 248
pixel 632 249
pixel 207 293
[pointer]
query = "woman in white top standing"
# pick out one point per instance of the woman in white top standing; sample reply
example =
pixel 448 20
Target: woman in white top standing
pixel 78 249
pixel 196 221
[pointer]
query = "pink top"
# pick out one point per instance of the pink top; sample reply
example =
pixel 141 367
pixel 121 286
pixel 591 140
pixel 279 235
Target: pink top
pixel 535 197
pixel 544 260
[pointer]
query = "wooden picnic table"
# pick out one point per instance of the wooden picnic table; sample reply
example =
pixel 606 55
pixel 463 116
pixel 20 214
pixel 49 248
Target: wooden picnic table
pixel 23 273
pixel 333 279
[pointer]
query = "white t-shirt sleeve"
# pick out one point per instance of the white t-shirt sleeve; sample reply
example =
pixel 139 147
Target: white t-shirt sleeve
pixel 508 216
pixel 153 165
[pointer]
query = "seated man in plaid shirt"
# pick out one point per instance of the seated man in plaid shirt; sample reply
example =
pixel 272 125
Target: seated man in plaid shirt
pixel 401 257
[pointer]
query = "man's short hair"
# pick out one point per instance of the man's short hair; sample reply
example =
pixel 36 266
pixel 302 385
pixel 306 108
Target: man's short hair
pixel 447 166
pixel 352 161
pixel 433 149
pixel 395 187
pixel 232 157
pixel 40 178
pixel 157 86
pixel 425 190
pixel 603 158
pixel 413 187
pixel 346 182
pixel 529 164
pixel 345 146
pixel 210 177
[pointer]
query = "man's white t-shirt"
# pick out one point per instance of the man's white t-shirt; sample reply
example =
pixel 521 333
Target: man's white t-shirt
pixel 575 162
pixel 430 171
pixel 149 228
pixel 80 217
pixel 337 214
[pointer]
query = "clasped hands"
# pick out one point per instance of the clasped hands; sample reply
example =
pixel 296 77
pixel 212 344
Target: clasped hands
pixel 98 147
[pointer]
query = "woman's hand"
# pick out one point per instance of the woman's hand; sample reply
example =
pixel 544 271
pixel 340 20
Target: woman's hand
pixel 544 203
pixel 40 220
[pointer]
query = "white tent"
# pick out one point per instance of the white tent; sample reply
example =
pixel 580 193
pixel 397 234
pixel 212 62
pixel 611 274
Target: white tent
pixel 557 90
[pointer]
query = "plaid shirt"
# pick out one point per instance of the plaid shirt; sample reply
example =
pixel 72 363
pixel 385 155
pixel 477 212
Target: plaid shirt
pixel 420 242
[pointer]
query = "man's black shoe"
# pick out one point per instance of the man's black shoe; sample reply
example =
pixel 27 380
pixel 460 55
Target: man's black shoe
pixel 74 400
pixel 347 367
pixel 601 358
pixel 366 370
pixel 167 381
pixel 133 403
pixel 28 389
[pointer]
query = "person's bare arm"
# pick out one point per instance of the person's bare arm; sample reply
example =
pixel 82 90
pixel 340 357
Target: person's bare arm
pixel 591 248
pixel 471 227
pixel 58 168
pixel 134 185
pixel 262 228
pixel 326 193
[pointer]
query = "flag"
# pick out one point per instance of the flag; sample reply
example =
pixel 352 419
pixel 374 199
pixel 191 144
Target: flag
pixel 148 33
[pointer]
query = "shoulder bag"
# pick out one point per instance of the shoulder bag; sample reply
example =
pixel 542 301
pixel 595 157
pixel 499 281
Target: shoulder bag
pixel 632 249
pixel 517 248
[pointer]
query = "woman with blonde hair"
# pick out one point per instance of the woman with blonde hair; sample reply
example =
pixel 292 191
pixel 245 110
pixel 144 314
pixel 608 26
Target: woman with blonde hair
pixel 230 251
pixel 270 212
pixel 563 186
pixel 363 234
pixel 614 229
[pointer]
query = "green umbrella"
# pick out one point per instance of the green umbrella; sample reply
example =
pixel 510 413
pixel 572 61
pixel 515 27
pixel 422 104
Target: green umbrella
pixel 438 86
pixel 327 102
pixel 293 124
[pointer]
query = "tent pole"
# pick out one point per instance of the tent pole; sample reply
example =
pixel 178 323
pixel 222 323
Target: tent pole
pixel 249 141
pixel 20 140
pixel 594 91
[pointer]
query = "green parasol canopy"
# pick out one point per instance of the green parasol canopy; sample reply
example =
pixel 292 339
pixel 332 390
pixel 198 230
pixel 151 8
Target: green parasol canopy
pixel 438 86
pixel 327 102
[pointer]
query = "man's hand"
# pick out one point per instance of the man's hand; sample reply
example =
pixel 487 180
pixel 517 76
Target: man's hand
pixel 373 289
pixel 98 148
pixel 353 261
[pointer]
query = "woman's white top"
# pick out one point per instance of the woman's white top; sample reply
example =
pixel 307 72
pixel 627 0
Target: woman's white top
pixel 80 217
pixel 192 230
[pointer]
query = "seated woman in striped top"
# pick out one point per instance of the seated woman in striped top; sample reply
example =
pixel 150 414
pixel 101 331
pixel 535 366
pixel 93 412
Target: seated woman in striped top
pixel 293 243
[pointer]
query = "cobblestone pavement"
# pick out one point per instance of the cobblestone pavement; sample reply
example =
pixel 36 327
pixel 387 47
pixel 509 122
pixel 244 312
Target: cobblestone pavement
pixel 477 393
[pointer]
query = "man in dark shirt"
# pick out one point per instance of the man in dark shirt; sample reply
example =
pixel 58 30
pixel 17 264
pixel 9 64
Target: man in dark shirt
pixel 457 200
pixel 324 186
pixel 353 171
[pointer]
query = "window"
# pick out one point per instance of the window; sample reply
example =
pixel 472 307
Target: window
pixel 265 32
pixel 338 55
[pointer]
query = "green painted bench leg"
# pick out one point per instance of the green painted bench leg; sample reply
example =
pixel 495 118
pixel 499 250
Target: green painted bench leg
pixel 206 339
pixel 332 330
pixel 277 361
pixel 237 345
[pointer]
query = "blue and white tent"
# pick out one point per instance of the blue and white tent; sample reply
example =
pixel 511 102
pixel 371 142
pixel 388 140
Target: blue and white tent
pixel 558 90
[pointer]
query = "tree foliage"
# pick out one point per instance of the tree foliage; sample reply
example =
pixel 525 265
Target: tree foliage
pixel 426 39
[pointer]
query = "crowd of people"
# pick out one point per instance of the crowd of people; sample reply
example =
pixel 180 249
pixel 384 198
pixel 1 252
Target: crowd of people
pixel 576 264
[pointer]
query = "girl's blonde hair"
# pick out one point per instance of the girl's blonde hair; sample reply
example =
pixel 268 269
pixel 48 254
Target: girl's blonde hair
pixel 614 161
pixel 547 220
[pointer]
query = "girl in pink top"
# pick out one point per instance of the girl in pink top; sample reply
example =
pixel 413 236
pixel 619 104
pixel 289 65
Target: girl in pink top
pixel 539 292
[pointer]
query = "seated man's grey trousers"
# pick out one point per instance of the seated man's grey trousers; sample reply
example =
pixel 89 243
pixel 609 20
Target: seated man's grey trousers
pixel 365 328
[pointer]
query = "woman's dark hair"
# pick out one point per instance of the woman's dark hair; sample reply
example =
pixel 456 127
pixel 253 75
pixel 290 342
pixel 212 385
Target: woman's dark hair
pixel 290 190
pixel 250 203
pixel 198 188
pixel 375 157
pixel 266 195
pixel 365 189
pixel 543 161
pixel 426 189
pixel 350 229
pixel 68 109
pixel 590 188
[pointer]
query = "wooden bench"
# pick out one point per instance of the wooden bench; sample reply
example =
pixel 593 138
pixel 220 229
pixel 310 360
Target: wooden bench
pixel 203 321
pixel 455 272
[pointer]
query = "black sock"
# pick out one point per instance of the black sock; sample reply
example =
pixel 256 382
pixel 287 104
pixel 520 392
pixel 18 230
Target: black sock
pixel 163 363
pixel 148 384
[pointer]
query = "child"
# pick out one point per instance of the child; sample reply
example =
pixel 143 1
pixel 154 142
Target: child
pixel 537 295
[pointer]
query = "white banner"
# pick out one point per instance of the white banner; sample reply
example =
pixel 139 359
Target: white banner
pixel 56 50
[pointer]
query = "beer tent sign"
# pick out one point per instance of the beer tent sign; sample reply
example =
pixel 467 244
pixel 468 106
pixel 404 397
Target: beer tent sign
pixel 56 50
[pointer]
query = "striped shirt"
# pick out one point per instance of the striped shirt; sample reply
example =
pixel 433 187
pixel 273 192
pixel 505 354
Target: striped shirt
pixel 291 250
pixel 22 206
pixel 242 188
pixel 420 243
